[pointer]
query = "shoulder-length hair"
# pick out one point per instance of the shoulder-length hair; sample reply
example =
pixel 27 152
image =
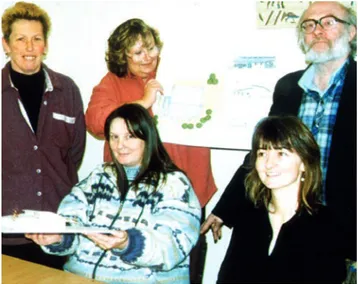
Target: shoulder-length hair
pixel 24 11
pixel 155 162
pixel 123 38
pixel 290 133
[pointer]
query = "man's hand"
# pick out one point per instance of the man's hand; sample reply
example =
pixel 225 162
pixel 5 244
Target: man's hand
pixel 214 223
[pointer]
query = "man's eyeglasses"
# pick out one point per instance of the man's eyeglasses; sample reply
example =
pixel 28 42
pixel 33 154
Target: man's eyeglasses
pixel 326 22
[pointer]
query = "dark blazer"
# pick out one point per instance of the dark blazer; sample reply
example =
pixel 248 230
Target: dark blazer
pixel 341 185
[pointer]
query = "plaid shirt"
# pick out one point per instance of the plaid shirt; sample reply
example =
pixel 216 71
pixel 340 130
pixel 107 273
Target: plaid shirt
pixel 318 111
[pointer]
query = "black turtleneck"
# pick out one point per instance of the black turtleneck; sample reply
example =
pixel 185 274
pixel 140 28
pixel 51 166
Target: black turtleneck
pixel 31 89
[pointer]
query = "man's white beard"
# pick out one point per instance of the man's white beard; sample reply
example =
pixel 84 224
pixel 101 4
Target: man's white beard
pixel 339 49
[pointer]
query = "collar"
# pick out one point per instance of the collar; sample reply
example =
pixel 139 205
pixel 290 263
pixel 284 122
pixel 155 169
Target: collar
pixel 306 81
pixel 50 81
pixel 131 172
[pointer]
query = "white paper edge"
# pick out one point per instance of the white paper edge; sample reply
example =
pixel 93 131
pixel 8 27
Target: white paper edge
pixel 68 230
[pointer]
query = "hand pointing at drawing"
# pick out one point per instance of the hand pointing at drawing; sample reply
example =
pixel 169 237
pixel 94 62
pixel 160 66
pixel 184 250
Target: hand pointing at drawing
pixel 151 89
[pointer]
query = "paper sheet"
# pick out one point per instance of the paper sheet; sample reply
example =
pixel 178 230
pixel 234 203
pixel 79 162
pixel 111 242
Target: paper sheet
pixel 13 224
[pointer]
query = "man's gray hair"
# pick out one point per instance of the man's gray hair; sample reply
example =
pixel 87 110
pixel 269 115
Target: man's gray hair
pixel 350 17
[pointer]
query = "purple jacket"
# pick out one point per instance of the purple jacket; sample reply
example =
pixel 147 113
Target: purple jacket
pixel 39 170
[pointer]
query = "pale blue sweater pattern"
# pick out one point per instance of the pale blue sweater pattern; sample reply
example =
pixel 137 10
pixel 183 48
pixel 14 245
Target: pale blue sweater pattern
pixel 162 226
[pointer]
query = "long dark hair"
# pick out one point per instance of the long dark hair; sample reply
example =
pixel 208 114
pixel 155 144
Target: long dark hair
pixel 155 162
pixel 290 133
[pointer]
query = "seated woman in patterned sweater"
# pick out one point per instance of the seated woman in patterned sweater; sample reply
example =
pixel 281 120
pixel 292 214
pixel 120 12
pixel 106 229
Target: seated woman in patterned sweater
pixel 143 198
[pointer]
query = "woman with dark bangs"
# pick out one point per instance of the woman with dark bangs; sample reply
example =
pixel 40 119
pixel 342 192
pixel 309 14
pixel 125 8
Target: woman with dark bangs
pixel 286 235
pixel 142 208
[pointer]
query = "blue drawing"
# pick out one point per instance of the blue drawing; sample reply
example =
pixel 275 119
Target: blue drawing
pixel 289 16
pixel 266 62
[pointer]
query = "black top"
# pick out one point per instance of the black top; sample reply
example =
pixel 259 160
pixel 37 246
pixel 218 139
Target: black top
pixel 307 250
pixel 31 89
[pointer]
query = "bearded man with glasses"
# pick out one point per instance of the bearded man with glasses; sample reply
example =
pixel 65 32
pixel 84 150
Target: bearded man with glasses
pixel 323 96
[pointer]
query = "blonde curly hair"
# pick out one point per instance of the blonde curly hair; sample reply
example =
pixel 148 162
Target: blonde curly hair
pixel 24 11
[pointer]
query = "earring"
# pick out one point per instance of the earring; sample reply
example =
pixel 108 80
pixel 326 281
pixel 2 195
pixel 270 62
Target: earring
pixel 302 179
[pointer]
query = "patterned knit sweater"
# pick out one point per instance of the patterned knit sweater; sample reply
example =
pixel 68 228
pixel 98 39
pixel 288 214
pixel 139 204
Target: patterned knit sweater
pixel 162 226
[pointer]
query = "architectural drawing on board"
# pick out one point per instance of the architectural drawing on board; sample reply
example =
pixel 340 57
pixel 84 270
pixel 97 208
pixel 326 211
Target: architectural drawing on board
pixel 221 110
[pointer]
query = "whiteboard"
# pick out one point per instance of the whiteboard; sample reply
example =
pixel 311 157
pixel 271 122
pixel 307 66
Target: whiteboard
pixel 219 110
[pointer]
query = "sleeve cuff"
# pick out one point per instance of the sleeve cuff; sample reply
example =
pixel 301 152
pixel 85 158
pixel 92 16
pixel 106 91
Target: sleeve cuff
pixel 67 240
pixel 135 247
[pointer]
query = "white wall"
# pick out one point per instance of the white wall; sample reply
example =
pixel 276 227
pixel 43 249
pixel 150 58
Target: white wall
pixel 199 32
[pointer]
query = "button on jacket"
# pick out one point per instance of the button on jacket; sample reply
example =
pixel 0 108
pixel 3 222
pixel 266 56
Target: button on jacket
pixel 38 170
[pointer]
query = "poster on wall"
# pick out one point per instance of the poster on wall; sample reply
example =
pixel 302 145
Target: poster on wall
pixel 279 14
pixel 283 14
pixel 221 109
